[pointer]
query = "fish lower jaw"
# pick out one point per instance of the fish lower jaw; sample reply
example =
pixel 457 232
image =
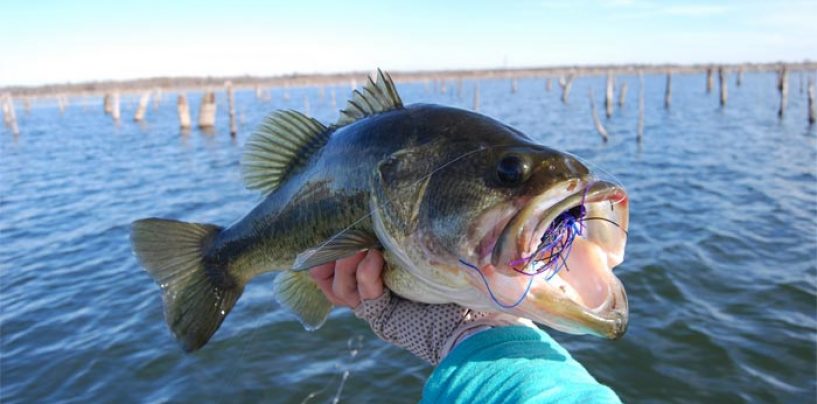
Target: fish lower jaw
pixel 560 286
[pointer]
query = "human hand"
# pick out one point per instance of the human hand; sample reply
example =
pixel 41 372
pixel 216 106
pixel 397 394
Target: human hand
pixel 429 331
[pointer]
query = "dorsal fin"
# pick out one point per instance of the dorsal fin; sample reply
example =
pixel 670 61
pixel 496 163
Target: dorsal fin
pixel 374 97
pixel 283 142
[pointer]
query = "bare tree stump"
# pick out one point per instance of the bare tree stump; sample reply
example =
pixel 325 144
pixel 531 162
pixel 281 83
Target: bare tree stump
pixel 183 110
pixel 207 110
pixel 783 87
pixel 115 111
pixel 142 108
pixel 608 95
pixel 107 104
pixel 231 108
pixel 566 84
pixel 640 129
pixel 722 82
pixel 622 94
pixel 812 106
pixel 596 121
pixel 710 82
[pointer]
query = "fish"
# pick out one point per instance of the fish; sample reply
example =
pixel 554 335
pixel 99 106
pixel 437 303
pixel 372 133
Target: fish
pixel 465 209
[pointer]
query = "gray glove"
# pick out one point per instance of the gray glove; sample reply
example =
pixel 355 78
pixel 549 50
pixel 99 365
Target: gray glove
pixel 429 331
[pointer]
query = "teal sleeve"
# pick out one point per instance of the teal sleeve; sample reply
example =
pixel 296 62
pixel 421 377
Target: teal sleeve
pixel 513 365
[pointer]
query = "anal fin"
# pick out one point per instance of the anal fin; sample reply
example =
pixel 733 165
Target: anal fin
pixel 299 293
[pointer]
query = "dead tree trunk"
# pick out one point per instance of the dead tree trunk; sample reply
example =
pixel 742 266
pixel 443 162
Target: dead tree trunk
pixel 142 109
pixel 231 108
pixel 608 96
pixel 566 84
pixel 709 80
pixel 812 107
pixel 184 112
pixel 640 130
pixel 722 81
pixel 622 95
pixel 783 87
pixel 596 121
pixel 207 110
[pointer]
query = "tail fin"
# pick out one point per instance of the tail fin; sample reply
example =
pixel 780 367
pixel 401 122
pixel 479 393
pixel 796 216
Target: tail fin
pixel 197 295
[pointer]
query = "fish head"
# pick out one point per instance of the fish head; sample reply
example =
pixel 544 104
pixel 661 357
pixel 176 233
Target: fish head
pixel 494 221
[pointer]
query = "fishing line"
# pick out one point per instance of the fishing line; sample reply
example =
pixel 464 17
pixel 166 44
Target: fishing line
pixel 491 292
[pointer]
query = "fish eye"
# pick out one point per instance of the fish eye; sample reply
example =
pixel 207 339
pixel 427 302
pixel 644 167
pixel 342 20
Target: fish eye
pixel 512 170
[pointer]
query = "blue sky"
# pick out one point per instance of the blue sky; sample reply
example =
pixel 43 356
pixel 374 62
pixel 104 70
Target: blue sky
pixel 57 41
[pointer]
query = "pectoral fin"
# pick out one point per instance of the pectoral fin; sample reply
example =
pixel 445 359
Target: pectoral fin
pixel 341 245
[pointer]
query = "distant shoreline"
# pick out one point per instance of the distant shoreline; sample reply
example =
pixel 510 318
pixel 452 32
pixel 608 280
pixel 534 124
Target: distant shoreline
pixel 296 79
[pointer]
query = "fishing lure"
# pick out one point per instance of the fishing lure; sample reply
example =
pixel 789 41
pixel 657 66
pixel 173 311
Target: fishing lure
pixel 551 255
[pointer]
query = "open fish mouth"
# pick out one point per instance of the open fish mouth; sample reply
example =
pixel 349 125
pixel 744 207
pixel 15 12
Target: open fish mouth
pixel 553 261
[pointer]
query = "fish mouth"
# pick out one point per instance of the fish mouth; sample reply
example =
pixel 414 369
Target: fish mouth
pixel 554 259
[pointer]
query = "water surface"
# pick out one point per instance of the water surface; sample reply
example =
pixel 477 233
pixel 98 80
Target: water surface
pixel 721 267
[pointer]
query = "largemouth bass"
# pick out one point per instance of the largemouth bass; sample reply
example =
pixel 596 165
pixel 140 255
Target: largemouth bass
pixel 466 209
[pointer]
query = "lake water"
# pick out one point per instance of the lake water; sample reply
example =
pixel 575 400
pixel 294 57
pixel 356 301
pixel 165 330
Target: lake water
pixel 721 267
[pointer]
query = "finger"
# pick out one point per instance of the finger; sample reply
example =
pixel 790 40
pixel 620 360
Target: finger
pixel 370 276
pixel 344 285
pixel 323 276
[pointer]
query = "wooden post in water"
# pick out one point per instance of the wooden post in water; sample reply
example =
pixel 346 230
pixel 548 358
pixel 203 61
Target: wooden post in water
pixel 61 103
pixel 143 106
pixel 115 113
pixel 668 91
pixel 157 98
pixel 443 89
pixel 548 84
pixel 286 91
pixel 334 101
pixel 207 110
pixel 783 87
pixel 622 95
pixel 608 95
pixel 802 82
pixel 231 108
pixel 566 84
pixel 184 112
pixel 322 93
pixel 596 121
pixel 11 116
pixel 640 129
pixel 722 81
pixel 739 79
pixel 107 103
pixel 710 82
pixel 459 88
pixel 513 85
pixel 6 113
pixel 476 97
pixel 27 105
pixel 812 106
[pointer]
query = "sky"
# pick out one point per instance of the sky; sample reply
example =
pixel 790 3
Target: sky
pixel 50 41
